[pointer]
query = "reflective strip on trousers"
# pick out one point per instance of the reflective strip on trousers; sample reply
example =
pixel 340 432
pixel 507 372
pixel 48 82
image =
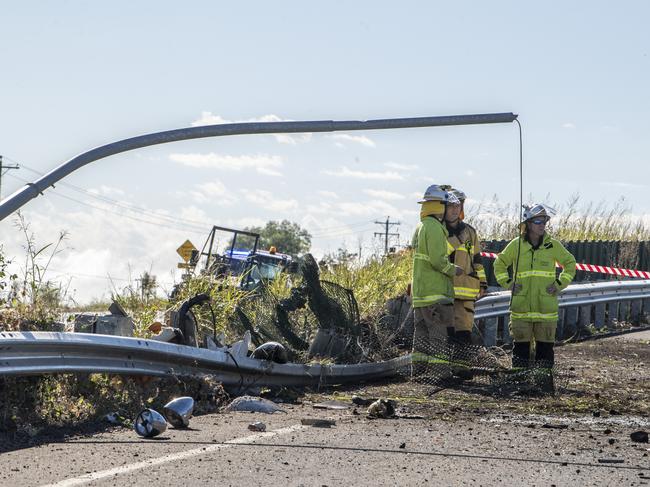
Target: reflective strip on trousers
pixel 465 292
pixel 531 316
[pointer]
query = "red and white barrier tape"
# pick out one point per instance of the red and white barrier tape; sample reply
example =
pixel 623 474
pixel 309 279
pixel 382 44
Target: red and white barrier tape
pixel 596 268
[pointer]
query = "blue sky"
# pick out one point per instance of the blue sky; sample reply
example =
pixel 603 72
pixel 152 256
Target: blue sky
pixel 76 75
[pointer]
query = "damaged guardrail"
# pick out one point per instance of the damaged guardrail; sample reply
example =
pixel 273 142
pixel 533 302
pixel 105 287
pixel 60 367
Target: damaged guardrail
pixel 32 353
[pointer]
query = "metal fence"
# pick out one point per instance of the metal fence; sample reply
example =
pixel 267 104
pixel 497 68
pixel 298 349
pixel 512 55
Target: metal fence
pixel 629 255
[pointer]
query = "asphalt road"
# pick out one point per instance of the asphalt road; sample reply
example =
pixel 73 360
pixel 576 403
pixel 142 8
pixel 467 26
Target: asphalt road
pixel 218 449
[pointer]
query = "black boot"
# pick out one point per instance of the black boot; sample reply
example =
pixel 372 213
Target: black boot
pixel 521 354
pixel 544 355
pixel 464 337
pixel 544 361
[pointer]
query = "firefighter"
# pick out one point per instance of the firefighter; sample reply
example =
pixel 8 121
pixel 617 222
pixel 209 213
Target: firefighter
pixel 535 286
pixel 432 285
pixel 464 251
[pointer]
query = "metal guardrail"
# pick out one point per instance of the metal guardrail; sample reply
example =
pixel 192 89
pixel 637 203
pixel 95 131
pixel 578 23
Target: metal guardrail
pixel 575 295
pixel 31 353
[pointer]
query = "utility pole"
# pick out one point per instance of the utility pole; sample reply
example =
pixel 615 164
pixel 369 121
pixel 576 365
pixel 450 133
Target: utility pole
pixel 2 167
pixel 386 233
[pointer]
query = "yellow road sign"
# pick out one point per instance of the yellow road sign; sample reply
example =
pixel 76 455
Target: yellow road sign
pixel 185 250
pixel 182 265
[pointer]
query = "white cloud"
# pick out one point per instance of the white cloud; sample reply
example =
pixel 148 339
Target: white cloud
pixel 267 201
pixel 213 192
pixel 368 208
pixel 383 195
pixel 357 139
pixel 262 163
pixel 328 194
pixel 568 125
pixel 208 118
pixel 345 172
pixel 401 167
pixel 269 172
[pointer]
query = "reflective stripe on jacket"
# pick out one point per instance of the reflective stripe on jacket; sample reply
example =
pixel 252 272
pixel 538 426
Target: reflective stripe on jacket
pixel 465 251
pixel 432 271
pixel 535 272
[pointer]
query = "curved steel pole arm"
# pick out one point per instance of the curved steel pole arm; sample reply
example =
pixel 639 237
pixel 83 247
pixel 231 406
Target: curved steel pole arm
pixel 31 190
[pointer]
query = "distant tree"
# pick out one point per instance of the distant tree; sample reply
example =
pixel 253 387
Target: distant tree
pixel 287 237
pixel 148 286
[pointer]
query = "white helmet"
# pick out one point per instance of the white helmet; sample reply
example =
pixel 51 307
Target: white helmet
pixel 436 192
pixel 538 209
pixel 459 194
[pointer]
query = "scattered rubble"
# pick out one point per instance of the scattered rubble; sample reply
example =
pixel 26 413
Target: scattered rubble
pixel 257 426
pixel 253 404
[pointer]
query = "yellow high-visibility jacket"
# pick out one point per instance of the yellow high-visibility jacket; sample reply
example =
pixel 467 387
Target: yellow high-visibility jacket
pixel 432 271
pixel 535 272
pixel 465 251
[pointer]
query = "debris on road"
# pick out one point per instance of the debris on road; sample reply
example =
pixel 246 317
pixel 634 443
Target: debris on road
pixel 257 426
pixel 253 404
pixel 318 423
pixel 149 423
pixel 360 401
pixel 382 408
pixel 611 460
pixel 331 405
pixel 639 436
pixel 179 411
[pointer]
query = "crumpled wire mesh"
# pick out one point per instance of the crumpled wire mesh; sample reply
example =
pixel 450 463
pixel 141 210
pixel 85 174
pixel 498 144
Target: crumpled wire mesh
pixel 443 361
pixel 292 321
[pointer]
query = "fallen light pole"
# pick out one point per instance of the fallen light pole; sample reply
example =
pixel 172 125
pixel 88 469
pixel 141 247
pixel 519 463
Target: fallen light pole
pixel 32 190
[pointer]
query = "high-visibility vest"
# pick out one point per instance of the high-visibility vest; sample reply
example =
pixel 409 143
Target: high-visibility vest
pixel 432 271
pixel 464 250
pixel 536 271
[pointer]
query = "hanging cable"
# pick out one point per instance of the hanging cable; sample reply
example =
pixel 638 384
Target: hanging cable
pixel 521 208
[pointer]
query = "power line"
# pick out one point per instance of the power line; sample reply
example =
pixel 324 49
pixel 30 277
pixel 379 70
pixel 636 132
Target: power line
pixel 386 233
pixel 5 172
pixel 107 199
pixel 179 225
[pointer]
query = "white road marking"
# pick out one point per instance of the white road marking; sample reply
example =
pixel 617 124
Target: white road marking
pixel 91 477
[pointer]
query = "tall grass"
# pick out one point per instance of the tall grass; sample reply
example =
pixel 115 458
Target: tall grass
pixel 575 220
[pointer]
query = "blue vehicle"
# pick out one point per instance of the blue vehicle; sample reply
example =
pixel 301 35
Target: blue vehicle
pixel 250 267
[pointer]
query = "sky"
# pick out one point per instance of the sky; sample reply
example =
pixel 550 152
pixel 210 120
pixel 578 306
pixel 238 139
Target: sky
pixel 76 75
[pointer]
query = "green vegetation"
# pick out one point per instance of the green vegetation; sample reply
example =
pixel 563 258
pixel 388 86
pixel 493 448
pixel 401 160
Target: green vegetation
pixel 285 236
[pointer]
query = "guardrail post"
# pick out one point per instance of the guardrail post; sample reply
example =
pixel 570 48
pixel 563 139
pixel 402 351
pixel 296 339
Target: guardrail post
pixel 599 315
pixel 612 314
pixel 584 317
pixel 645 313
pixel 623 311
pixel 635 312
pixel 490 331
pixel 570 321
pixel 505 329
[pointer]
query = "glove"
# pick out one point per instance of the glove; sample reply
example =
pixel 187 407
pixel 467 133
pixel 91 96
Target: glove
pixel 459 271
pixel 516 288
